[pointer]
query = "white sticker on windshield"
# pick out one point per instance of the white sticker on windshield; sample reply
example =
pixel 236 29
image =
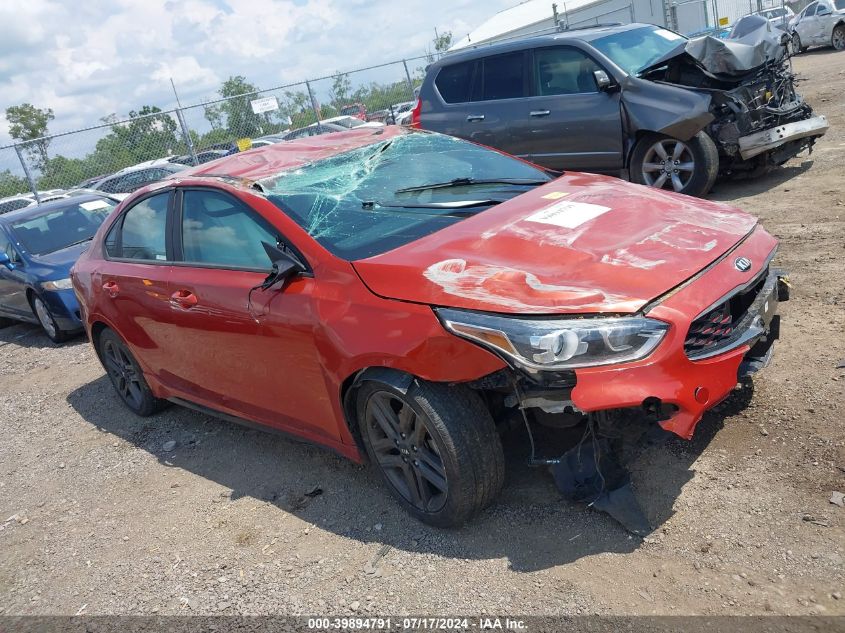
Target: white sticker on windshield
pixel 567 214
pixel 93 205
pixel 668 35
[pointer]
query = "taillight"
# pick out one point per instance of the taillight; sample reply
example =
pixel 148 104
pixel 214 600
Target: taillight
pixel 415 114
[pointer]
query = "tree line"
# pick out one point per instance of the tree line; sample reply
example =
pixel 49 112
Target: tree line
pixel 149 133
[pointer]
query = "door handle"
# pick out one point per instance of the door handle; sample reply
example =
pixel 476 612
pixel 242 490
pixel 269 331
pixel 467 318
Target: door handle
pixel 540 112
pixel 111 288
pixel 475 117
pixel 184 299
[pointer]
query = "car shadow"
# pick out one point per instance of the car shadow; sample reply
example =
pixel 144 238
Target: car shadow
pixel 529 524
pixel 30 335
pixel 728 190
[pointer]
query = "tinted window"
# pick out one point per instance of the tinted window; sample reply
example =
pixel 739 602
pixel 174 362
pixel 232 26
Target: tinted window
pixel 6 247
pixel 351 203
pixel 503 77
pixel 563 71
pixel 453 82
pixel 221 231
pixel 839 4
pixel 144 229
pixel 58 228
pixel 811 10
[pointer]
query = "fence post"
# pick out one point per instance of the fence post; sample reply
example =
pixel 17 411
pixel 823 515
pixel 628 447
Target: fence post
pixel 28 174
pixel 314 105
pixel 186 136
pixel 408 77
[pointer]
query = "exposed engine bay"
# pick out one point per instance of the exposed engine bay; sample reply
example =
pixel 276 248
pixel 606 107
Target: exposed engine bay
pixel 759 120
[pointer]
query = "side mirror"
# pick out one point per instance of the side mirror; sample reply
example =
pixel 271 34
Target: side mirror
pixel 603 81
pixel 285 266
pixel 5 261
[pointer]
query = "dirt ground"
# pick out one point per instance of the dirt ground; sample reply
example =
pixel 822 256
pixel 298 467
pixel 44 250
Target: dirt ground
pixel 97 518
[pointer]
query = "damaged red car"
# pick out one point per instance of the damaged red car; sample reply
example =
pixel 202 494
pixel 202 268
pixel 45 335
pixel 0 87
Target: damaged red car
pixel 400 294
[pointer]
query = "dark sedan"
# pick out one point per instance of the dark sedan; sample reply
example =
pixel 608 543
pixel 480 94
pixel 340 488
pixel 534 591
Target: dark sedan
pixel 38 247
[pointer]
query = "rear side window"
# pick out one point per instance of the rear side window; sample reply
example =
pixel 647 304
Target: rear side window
pixel 503 77
pixel 218 230
pixel 142 232
pixel 563 71
pixel 454 82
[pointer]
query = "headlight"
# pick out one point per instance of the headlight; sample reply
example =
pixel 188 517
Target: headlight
pixel 546 344
pixel 57 284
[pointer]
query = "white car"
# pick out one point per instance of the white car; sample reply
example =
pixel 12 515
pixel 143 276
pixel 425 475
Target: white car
pixel 821 23
pixel 778 17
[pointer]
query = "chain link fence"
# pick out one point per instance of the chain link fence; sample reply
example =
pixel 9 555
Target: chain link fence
pixel 194 134
pixel 697 17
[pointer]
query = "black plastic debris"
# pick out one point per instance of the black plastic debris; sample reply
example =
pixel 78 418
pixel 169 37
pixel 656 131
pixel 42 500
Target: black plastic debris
pixel 591 473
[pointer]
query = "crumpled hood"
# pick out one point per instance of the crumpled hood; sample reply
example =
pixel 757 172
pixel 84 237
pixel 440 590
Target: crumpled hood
pixel 580 244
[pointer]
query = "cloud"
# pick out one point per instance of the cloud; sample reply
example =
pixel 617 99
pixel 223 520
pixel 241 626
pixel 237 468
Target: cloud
pixel 86 60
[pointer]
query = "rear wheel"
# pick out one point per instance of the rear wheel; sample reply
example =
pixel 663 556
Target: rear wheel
pixel 837 39
pixel 663 162
pixel 436 447
pixel 47 320
pixel 126 375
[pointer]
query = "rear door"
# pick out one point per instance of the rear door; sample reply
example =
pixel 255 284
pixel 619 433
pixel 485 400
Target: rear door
pixel 134 283
pixel 236 348
pixel 572 124
pixel 824 23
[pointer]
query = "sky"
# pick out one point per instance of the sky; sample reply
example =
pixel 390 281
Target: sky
pixel 87 59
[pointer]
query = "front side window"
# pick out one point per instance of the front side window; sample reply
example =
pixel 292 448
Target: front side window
pixel 810 10
pixel 454 82
pixel 378 197
pixel 143 231
pixel 7 248
pixel 218 230
pixel 503 77
pixel 563 71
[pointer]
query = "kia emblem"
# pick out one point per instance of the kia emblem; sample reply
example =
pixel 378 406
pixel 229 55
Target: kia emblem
pixel 742 264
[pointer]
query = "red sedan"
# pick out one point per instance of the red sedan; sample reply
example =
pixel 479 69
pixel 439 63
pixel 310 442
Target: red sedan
pixel 398 293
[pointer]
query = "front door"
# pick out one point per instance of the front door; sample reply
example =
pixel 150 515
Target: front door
pixel 13 301
pixel 571 123
pixel 236 348
pixel 807 26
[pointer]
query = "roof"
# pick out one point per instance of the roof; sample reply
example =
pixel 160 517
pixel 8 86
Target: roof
pixel 586 34
pixel 40 209
pixel 271 160
pixel 532 13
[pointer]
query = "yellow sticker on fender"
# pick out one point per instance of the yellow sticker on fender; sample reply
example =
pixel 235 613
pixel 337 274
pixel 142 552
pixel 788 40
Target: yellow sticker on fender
pixel 556 195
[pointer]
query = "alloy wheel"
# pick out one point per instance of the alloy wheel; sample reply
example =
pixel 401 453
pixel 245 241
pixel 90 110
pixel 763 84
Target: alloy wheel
pixel 44 317
pixel 669 163
pixel 796 43
pixel 124 374
pixel 838 39
pixel 405 450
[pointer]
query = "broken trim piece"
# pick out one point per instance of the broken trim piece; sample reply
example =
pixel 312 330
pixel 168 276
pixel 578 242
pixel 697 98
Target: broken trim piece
pixel 760 142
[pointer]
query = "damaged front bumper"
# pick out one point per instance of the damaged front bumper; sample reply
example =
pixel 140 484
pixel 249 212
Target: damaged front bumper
pixel 757 143
pixel 684 377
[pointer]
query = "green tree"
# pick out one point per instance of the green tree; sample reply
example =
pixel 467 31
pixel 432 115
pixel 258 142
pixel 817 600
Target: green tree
pixel 240 119
pixel 11 184
pixel 339 92
pixel 214 115
pixel 26 122
pixel 441 42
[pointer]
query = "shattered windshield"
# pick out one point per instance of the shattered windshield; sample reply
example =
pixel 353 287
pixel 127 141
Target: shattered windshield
pixel 354 206
pixel 637 49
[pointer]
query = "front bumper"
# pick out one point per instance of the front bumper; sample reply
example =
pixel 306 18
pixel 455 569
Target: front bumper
pixel 64 307
pixel 760 142
pixel 669 376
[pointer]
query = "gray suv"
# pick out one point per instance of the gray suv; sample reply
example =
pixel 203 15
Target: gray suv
pixel 635 99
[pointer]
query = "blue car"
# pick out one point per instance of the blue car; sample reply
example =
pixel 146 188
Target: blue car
pixel 38 247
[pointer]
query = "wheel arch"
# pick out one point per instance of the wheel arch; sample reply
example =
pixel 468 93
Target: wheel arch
pixel 396 378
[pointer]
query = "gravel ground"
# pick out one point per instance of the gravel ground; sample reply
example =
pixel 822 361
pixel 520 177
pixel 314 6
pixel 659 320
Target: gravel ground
pixel 100 515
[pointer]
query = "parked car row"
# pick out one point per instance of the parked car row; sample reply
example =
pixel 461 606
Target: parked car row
pixel 821 23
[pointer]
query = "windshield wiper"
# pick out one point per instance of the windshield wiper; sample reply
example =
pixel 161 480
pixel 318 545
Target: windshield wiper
pixel 462 182
pixel 459 208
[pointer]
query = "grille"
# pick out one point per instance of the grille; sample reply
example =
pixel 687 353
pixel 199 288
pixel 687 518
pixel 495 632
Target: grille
pixel 718 326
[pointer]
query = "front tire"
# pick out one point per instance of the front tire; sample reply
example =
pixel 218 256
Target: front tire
pixel 435 446
pixel 126 375
pixel 48 321
pixel 837 38
pixel 688 167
